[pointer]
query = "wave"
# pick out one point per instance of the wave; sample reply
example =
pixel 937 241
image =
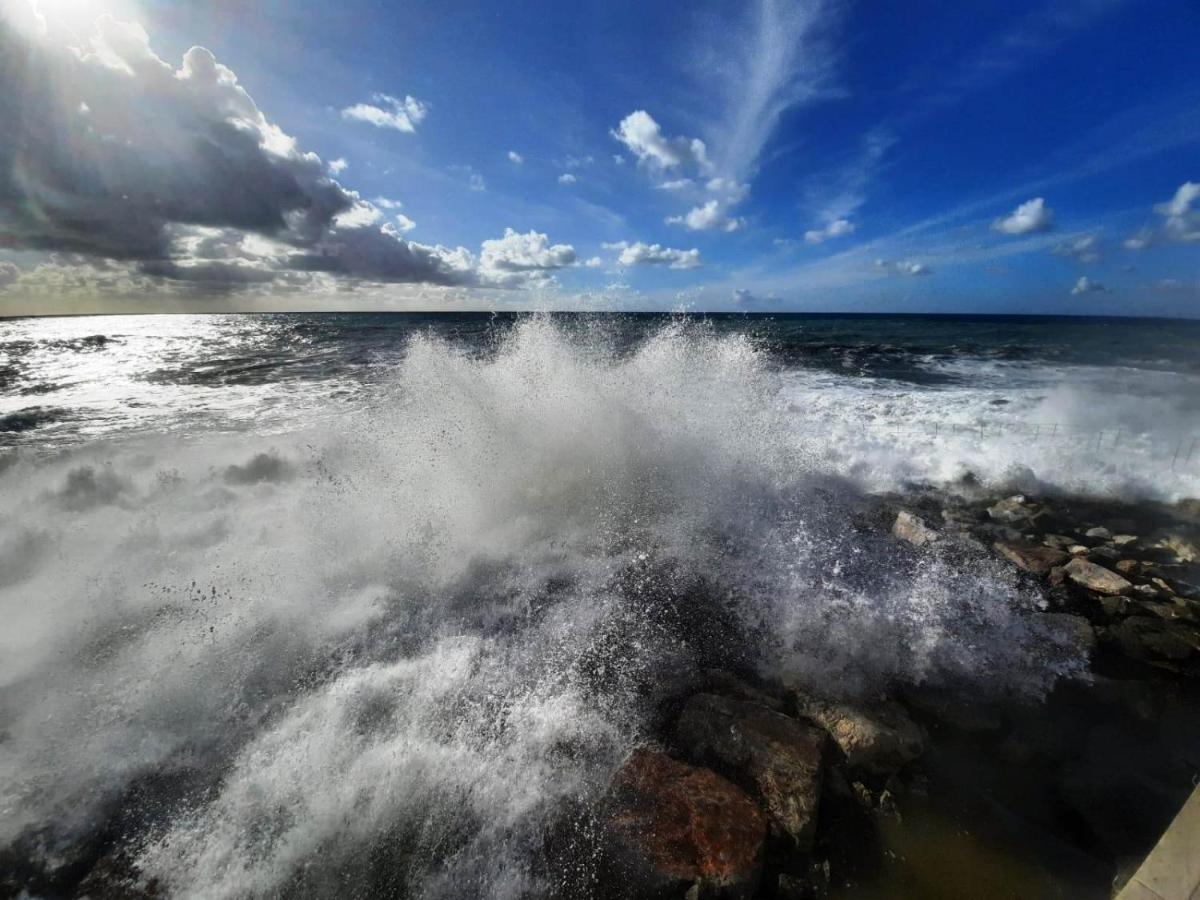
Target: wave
pixel 403 649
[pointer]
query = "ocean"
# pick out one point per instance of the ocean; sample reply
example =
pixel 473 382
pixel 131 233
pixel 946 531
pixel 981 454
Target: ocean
pixel 375 604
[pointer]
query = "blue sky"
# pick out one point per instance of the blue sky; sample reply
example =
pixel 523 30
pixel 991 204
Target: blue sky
pixel 883 156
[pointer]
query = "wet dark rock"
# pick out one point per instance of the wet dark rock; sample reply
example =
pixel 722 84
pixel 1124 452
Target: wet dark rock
pixel 1127 567
pixel 1038 560
pixel 725 683
pixel 1096 578
pixel 1152 639
pixel 679 830
pixel 1099 533
pixel 1076 629
pixel 1061 541
pixel 877 737
pixel 780 758
pixel 1104 554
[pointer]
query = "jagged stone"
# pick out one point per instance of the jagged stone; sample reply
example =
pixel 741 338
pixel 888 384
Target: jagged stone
pixel 1010 509
pixel 912 528
pixel 676 829
pixel 1096 578
pixel 877 737
pixel 1038 560
pixel 780 757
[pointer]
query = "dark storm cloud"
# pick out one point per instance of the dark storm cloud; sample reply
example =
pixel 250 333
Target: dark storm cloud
pixel 109 152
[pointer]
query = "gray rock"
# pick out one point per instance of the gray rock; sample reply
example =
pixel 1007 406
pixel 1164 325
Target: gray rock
pixel 1124 540
pixel 1099 533
pixel 1061 541
pixel 1108 554
pixel 1011 509
pixel 1096 578
pixel 1075 629
pixel 878 737
pixel 912 528
pixel 780 756
pixel 1077 550
pixel 1153 639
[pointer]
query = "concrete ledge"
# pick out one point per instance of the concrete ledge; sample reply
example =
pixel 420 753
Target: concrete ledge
pixel 1172 870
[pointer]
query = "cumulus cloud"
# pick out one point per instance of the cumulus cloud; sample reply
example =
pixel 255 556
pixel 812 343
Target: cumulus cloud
pixel 675 184
pixel 640 254
pixel 9 273
pixel 522 257
pixel 515 158
pixel 1083 249
pixel 403 222
pixel 338 166
pixel 567 178
pixel 110 152
pixel 1031 216
pixel 642 135
pixel 1085 285
pixel 386 111
pixel 836 228
pixel 902 267
pixel 1182 221
pixel 387 203
pixel 710 216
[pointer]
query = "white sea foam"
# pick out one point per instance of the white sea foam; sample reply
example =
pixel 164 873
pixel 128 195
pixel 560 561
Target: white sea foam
pixel 393 650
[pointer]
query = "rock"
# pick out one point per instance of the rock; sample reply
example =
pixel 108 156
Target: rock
pixel 1011 509
pixel 1077 550
pixel 1107 554
pixel 720 681
pixel 1146 591
pixel 1062 542
pixel 1114 607
pixel 1096 578
pixel 1099 533
pixel 1152 639
pixel 912 528
pixel 677 829
pixel 879 738
pixel 1058 575
pixel 1124 540
pixel 1184 548
pixel 1128 566
pixel 1076 629
pixel 780 757
pixel 1171 612
pixel 1031 557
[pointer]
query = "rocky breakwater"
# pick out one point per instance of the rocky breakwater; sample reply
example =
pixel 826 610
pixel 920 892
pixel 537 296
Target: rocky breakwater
pixel 755 788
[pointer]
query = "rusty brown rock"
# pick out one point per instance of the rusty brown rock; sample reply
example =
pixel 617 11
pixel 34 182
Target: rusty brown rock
pixel 677 828
pixel 780 757
pixel 1033 558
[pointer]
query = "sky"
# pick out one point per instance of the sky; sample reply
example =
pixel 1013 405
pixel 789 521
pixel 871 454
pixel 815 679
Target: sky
pixel 985 156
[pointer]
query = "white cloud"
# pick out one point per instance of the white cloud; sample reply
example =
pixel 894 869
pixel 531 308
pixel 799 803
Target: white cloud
pixel 1083 249
pixel 515 158
pixel 404 223
pixel 594 263
pixel 618 159
pixel 1085 285
pixel 385 203
pixel 1139 240
pixel 523 255
pixel 567 178
pixel 1031 216
pixel 902 267
pixel 388 112
pixel 9 273
pixel 640 254
pixel 678 184
pixel 642 135
pixel 476 183
pixel 836 228
pixel 708 217
pixel 1182 221
pixel 578 162
pixel 746 297
pixel 338 166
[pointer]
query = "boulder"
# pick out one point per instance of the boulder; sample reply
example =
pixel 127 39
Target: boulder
pixel 1062 542
pixel 912 528
pixel 781 758
pixel 1010 509
pixel 1124 540
pixel 677 829
pixel 1096 578
pixel 1128 567
pixel 1099 533
pixel 1105 554
pixel 1153 639
pixel 1075 629
pixel 878 737
pixel 1031 557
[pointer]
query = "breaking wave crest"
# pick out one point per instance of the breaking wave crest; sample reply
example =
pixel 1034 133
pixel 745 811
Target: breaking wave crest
pixel 400 652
